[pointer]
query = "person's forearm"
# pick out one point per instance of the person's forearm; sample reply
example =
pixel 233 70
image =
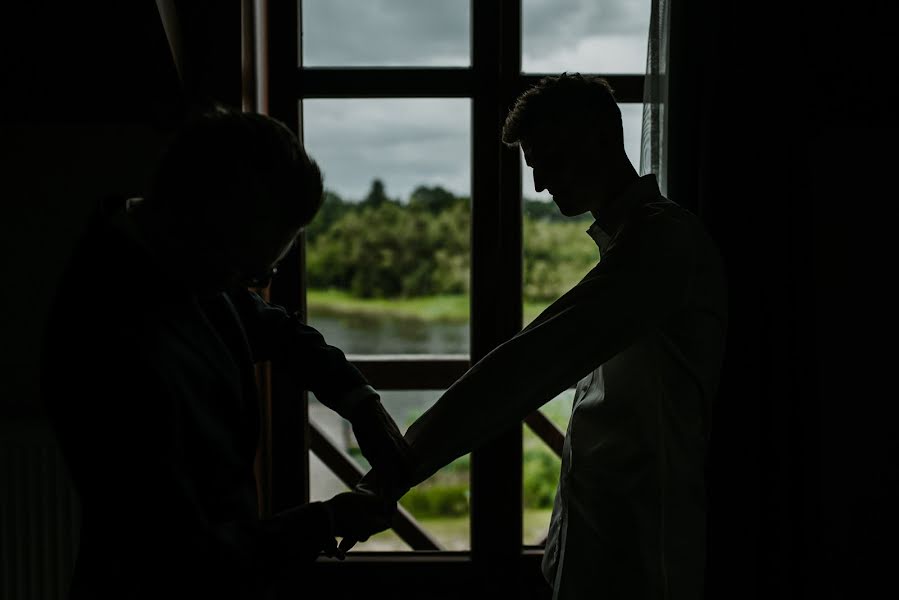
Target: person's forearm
pixel 498 392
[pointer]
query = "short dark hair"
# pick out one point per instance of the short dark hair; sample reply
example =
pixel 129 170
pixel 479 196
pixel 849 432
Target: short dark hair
pixel 220 157
pixel 567 99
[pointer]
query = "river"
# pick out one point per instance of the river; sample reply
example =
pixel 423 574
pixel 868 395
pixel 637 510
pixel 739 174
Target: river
pixel 369 334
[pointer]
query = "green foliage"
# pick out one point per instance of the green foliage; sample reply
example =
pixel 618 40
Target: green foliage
pixel 376 196
pixel 388 250
pixel 380 248
pixel 556 256
pixel 541 477
pixel 434 200
pixel 541 465
pixel 444 500
pixel 541 210
pixel 333 208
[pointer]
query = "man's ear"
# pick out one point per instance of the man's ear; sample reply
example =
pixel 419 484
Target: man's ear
pixel 596 147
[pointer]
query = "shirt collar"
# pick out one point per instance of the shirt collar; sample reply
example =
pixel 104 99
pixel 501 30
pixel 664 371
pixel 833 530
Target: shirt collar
pixel 641 190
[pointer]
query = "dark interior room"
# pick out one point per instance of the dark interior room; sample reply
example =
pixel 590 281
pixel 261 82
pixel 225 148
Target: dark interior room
pixel 778 131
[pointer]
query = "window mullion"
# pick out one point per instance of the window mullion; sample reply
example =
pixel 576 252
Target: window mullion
pixel 496 310
pixel 289 415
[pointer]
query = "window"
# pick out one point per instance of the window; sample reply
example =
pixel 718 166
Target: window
pixel 608 36
pixel 423 113
pixel 386 33
pixel 387 263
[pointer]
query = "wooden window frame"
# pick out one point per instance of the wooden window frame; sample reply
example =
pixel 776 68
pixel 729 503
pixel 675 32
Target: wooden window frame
pixel 492 82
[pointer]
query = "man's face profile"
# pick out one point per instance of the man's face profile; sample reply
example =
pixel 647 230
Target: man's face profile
pixel 262 255
pixel 242 246
pixel 564 165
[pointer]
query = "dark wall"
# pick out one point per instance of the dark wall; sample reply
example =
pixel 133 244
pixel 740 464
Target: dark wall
pixel 851 150
pixel 91 94
pixel 88 97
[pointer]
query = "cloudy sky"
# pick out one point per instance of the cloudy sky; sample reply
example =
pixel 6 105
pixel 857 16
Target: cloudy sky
pixel 410 142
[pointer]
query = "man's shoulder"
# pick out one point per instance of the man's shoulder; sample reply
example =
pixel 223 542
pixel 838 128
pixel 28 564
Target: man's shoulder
pixel 662 216
pixel 660 229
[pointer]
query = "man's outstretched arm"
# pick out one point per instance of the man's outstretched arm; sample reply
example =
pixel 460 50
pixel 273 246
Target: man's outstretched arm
pixel 633 290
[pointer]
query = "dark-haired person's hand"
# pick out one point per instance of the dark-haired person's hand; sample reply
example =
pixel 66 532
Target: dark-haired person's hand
pixel 357 516
pixel 369 485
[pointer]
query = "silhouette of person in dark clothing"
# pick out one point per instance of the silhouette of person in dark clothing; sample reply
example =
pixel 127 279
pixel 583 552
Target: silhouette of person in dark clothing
pixel 148 373
pixel 641 336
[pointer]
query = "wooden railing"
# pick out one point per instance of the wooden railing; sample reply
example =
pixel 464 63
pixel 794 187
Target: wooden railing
pixel 412 372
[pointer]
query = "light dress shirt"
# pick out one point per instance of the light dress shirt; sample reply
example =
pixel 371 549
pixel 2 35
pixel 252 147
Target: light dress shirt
pixel 642 335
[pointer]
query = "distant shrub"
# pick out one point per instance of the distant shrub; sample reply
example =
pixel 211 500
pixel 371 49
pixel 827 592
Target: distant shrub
pixel 437 500
pixel 541 477
pixel 389 249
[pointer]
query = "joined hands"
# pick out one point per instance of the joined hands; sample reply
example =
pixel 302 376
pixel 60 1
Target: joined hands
pixel 370 508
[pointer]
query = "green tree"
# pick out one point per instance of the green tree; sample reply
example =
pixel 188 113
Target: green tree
pixel 332 209
pixel 376 195
pixel 541 209
pixel 373 252
pixel 434 200
pixel 382 249
pixel 556 256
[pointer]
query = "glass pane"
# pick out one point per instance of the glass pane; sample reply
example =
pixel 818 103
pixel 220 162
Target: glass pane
pixel 584 36
pixel 388 255
pixel 398 33
pixel 557 250
pixel 541 471
pixel 440 505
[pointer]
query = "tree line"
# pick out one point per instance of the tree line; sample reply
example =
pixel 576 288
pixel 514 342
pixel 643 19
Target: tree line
pixel 381 247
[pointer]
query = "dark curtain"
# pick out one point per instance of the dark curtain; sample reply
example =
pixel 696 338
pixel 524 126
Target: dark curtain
pixel 782 135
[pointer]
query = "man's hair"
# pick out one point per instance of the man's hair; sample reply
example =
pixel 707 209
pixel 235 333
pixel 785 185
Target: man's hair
pixel 239 163
pixel 583 101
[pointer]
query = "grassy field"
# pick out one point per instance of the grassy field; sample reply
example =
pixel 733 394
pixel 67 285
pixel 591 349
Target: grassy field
pixel 453 533
pixel 453 308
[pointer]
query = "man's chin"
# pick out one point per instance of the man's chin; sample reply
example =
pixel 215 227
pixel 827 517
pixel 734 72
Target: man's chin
pixel 567 210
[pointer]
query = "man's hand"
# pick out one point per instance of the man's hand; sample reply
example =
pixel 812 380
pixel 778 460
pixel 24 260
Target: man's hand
pixel 357 516
pixel 383 446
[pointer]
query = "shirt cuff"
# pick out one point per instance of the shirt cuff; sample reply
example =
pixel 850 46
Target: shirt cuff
pixel 350 401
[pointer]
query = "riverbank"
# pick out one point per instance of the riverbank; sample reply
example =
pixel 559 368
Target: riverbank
pixel 445 308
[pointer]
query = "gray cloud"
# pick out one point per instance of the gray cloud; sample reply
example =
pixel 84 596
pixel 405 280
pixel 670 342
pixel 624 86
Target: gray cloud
pixel 404 142
pixel 411 142
pixel 548 21
pixel 584 35
pixel 558 35
pixel 386 32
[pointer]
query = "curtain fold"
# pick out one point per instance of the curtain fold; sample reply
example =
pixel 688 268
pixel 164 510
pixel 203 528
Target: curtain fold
pixel 654 142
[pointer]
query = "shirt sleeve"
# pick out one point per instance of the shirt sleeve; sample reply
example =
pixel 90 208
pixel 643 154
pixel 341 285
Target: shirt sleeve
pixel 640 282
pixel 126 448
pixel 276 335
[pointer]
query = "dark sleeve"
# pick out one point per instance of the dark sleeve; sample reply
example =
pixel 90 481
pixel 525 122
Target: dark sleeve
pixel 276 335
pixel 126 448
